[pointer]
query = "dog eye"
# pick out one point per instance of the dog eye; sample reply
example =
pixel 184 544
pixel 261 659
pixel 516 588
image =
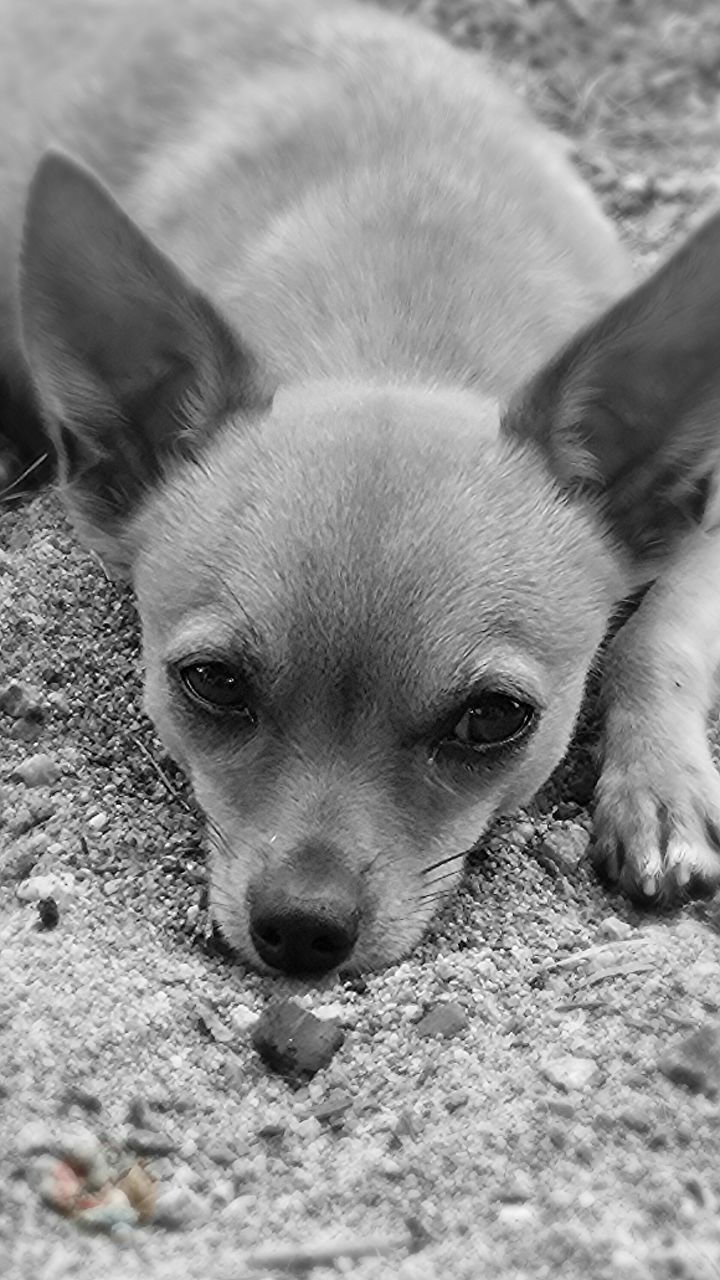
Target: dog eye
pixel 494 719
pixel 216 684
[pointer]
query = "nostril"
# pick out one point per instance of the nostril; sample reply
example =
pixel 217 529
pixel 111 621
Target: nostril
pixel 270 936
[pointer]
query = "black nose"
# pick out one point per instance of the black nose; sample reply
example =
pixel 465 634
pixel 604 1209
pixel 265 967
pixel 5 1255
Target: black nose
pixel 303 939
pixel 305 913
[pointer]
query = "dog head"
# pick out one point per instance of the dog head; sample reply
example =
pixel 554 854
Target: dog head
pixel 368 611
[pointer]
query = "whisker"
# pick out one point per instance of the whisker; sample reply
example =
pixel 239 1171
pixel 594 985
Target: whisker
pixel 168 785
pixel 445 862
pixel 7 492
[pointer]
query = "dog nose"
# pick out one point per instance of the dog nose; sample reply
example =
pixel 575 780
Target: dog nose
pixel 303 940
pixel 305 917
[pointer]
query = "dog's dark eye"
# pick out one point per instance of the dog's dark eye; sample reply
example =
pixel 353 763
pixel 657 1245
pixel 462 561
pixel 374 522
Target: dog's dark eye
pixel 494 719
pixel 217 684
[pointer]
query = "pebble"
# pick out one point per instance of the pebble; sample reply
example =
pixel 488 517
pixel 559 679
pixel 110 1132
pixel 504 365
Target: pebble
pixel 637 1117
pixel 48 913
pixel 293 1042
pixel 31 815
pixel 98 822
pixel 517 1190
pixel 446 1020
pixel 35 1138
pixel 18 863
pixel 220 1153
pixel 36 771
pixel 335 1012
pixel 333 1107
pixel 138 1113
pixel 212 1024
pixel 178 1208
pixel 695 1061
pixel 79 1147
pixel 145 1142
pixel 21 701
pixel 565 847
pixel 457 1099
pixel 518 1216
pixel 613 929
pixel 39 888
pixel 243 1019
pixel 82 1095
pixel 569 1072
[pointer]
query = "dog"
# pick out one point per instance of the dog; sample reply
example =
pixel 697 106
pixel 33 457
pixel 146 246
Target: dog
pixel 347 374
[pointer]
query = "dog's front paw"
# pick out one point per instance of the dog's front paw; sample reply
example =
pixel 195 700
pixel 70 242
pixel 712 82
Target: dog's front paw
pixel 657 816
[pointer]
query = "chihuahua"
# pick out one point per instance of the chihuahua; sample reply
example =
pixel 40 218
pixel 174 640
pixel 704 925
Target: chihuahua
pixel 346 373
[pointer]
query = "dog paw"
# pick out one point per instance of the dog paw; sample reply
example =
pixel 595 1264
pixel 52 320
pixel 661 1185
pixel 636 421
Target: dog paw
pixel 657 822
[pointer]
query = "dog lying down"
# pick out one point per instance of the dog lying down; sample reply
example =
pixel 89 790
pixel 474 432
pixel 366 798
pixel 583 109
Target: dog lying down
pixel 346 373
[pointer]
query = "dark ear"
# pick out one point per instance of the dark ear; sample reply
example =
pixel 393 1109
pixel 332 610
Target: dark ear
pixel 630 409
pixel 132 365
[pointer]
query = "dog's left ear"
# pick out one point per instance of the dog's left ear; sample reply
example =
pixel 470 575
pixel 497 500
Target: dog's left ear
pixel 132 364
pixel 629 411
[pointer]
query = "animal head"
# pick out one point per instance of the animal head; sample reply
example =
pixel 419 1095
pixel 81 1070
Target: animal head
pixel 368 609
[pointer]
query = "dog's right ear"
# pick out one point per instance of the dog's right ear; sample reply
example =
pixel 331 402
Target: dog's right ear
pixel 133 365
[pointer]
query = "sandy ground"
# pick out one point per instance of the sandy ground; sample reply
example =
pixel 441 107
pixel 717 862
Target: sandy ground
pixel 560 1115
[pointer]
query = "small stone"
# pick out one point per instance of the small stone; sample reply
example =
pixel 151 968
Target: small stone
pixel 34 1138
pixel 21 701
pixel 37 771
pixel 293 1042
pixel 561 1107
pixel 695 1061
pixel 569 1072
pixel 333 1107
pixel 211 1023
pixel 40 888
pixel 518 1216
pixel 179 1208
pixel 636 1117
pixel 48 913
pixel 98 822
pixel 220 1153
pixel 17 863
pixel 79 1147
pixel 98 1173
pixel 613 929
pixel 243 1019
pixel 145 1142
pixel 138 1113
pixel 82 1095
pixel 564 847
pixel 517 1189
pixel 456 1099
pixel 446 1020
pixel 335 1012
pixel 30 815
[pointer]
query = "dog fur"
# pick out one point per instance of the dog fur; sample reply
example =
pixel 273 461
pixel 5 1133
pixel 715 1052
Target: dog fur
pixel 348 378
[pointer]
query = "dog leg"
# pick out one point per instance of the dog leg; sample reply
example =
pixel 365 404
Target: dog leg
pixel 657 817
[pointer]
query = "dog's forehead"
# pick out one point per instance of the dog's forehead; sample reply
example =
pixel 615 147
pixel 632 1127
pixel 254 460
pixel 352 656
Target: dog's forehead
pixel 371 538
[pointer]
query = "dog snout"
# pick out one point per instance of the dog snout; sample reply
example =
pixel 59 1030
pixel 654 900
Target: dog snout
pixel 305 918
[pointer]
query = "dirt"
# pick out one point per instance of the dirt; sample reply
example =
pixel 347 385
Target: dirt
pixel 523 1097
